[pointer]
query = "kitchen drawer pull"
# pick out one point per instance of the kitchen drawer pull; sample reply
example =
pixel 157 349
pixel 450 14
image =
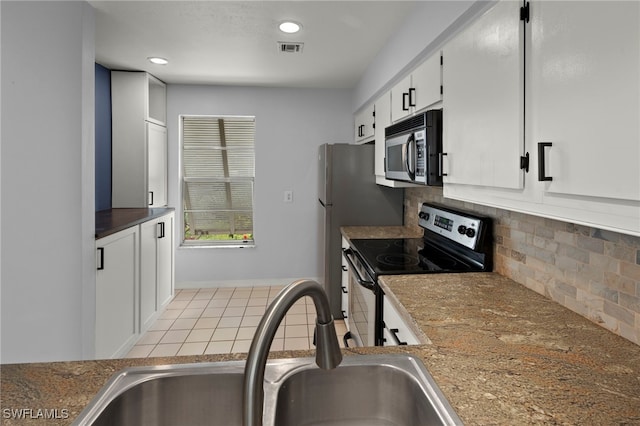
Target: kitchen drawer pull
pixel 394 333
pixel 344 290
pixel 344 268
pixel 541 162
pixel 101 259
pixel 344 314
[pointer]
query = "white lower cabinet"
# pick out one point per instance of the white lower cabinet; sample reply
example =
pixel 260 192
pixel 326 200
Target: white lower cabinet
pixel 396 332
pixel 156 267
pixel 116 293
pixel 134 282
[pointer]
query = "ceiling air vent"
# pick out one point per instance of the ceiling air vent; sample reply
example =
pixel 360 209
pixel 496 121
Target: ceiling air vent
pixel 290 47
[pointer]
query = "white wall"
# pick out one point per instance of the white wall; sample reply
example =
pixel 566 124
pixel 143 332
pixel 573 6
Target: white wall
pixel 47 167
pixel 290 125
pixel 423 33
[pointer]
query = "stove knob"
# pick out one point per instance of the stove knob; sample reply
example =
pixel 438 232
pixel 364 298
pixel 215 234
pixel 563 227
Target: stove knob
pixel 423 215
pixel 462 229
pixel 471 232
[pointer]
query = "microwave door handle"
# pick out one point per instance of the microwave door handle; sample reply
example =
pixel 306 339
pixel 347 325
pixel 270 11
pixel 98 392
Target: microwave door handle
pixel 410 157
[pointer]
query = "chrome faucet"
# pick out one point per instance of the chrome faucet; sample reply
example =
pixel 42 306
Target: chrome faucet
pixel 328 353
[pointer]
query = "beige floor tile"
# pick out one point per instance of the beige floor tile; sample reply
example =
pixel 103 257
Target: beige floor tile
pixel 241 293
pixel 191 313
pixel 200 335
pixel 296 331
pixel 219 347
pixel 140 351
pixel 298 308
pixel 171 314
pixel 184 324
pixel 277 345
pixel 238 302
pixel 204 294
pixel 178 304
pixel 296 343
pixel 235 311
pixel 183 296
pixel 174 336
pixel 250 321
pixel 161 324
pixel 224 334
pixel 202 303
pixel 255 310
pixel 241 346
pixel 218 303
pixel 246 333
pixel 261 293
pixel 296 319
pixel 229 322
pixel 206 323
pixel 170 349
pixel 212 312
pixel 258 301
pixel 195 348
pixel 151 338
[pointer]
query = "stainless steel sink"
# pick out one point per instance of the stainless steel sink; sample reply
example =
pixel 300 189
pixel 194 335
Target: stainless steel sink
pixel 363 390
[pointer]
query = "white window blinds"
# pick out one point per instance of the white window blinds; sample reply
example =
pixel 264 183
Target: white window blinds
pixel 218 174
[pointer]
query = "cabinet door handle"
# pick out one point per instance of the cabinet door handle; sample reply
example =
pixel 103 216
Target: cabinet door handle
pixel 344 314
pixel 100 258
pixel 160 230
pixel 394 333
pixel 405 98
pixel 412 97
pixel 344 290
pixel 541 162
pixel 344 268
pixel 441 164
pixel 151 198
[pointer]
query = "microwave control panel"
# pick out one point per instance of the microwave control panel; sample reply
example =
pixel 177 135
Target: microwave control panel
pixel 420 152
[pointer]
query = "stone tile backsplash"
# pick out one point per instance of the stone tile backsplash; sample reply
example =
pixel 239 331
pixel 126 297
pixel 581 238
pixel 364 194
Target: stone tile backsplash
pixel 593 272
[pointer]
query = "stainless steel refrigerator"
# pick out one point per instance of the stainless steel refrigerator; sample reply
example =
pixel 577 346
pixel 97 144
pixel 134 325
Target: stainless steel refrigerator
pixel 349 196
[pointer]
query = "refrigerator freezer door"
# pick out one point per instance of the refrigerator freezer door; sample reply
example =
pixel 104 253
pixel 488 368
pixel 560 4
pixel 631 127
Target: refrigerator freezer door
pixel 324 174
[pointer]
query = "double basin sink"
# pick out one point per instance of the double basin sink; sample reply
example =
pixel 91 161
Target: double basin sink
pixel 367 390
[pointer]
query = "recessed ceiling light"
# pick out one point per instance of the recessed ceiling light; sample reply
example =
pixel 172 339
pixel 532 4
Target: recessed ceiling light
pixel 290 27
pixel 158 61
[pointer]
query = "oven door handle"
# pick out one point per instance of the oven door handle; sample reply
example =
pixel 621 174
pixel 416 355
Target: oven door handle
pixel 364 283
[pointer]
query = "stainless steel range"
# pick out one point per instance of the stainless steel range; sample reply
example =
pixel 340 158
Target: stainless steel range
pixel 454 241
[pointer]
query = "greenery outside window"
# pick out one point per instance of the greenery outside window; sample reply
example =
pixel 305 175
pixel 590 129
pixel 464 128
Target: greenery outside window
pixel 218 173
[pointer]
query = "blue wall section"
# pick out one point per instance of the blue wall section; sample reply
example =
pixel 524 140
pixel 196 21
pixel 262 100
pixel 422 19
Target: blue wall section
pixel 103 138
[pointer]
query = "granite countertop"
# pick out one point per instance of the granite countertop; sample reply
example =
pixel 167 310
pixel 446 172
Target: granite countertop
pixel 501 354
pixel 113 220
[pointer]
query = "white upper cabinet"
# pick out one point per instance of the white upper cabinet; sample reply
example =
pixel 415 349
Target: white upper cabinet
pixel 418 90
pixel 139 140
pixel 365 124
pixel 483 102
pixel 585 76
pixel 580 105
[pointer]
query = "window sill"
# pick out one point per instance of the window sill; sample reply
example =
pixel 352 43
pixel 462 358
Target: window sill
pixel 214 246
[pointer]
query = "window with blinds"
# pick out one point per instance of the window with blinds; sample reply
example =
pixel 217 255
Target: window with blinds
pixel 217 179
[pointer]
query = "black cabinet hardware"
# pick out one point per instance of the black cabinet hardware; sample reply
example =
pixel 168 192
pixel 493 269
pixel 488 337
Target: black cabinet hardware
pixel 524 162
pixel 394 333
pixel 541 162
pixel 101 258
pixel 412 97
pixel 151 198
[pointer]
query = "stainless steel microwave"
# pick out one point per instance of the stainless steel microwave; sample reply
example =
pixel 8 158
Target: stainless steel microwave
pixel 413 149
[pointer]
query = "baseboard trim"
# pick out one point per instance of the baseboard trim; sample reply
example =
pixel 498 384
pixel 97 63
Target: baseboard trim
pixel 262 282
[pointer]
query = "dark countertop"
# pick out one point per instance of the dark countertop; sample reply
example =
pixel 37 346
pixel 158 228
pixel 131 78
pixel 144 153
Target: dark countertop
pixel 113 220
pixel 501 353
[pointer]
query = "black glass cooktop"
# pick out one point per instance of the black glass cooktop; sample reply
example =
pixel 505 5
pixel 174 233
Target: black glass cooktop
pixel 398 256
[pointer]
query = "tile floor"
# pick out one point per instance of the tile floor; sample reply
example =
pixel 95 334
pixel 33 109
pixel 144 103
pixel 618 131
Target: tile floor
pixel 224 320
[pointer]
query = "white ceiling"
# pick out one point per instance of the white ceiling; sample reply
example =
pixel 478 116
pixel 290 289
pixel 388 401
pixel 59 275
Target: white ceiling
pixel 236 42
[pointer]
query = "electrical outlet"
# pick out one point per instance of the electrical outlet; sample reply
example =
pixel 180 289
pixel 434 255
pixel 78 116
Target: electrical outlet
pixel 288 196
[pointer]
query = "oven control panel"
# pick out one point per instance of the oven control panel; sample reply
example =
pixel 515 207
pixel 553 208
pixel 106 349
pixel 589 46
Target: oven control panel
pixel 457 227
